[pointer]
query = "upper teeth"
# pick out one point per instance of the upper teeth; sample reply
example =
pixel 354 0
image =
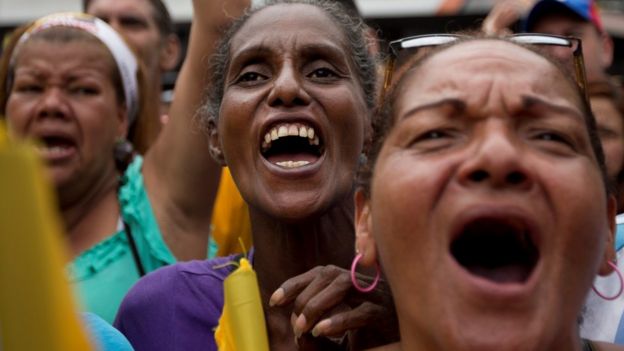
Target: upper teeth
pixel 290 129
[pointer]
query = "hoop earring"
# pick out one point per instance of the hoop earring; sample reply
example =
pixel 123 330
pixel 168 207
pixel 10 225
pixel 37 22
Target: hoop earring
pixel 357 285
pixel 619 274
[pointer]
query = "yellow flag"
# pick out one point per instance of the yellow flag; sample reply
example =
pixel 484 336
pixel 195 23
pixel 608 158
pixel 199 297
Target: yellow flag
pixel 230 217
pixel 241 326
pixel 37 311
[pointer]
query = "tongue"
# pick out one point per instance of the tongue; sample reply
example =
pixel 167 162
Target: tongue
pixel 512 273
pixel 295 157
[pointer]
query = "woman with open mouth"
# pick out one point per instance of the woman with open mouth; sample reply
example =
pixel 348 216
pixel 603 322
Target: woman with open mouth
pixel 289 112
pixel 71 83
pixel 486 200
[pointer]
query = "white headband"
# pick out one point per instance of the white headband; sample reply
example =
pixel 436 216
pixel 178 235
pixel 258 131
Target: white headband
pixel 125 59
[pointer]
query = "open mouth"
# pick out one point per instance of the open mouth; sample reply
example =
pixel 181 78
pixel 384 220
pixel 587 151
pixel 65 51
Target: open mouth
pixel 499 250
pixel 56 147
pixel 292 145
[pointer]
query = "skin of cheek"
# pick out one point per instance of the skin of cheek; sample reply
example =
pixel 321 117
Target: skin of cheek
pixel 401 216
pixel 340 108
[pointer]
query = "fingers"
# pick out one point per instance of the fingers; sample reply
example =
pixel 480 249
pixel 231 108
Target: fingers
pixel 292 287
pixel 326 292
pixel 325 304
pixel 502 15
pixel 340 323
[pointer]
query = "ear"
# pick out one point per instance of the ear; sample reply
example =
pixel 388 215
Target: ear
pixel 364 241
pixel 214 142
pixel 124 123
pixel 609 254
pixel 170 52
pixel 607 49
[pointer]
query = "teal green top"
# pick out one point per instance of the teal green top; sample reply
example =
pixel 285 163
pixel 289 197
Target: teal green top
pixel 103 274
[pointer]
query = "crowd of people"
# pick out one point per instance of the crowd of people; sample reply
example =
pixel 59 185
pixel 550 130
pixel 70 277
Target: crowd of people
pixel 457 191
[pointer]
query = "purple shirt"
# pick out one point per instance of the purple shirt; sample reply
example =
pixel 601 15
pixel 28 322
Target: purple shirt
pixel 176 308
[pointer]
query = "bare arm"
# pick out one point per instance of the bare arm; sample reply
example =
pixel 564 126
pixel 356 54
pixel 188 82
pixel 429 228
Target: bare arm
pixel 180 176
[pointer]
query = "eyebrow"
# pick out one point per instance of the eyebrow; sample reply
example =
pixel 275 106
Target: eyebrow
pixel 456 104
pixel 307 50
pixel 528 101
pixel 316 49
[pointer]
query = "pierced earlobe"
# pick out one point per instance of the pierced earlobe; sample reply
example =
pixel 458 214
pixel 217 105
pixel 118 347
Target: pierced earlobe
pixel 214 142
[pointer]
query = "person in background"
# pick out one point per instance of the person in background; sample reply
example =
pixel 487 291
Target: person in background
pixel 580 19
pixel 486 201
pixel 504 15
pixel 608 108
pixel 150 31
pixel 124 216
pixel 604 314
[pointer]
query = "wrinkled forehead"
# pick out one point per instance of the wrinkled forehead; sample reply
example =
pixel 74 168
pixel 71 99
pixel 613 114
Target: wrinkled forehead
pixel 285 26
pixel 472 67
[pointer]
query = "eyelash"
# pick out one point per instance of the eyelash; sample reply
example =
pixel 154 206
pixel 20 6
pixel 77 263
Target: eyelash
pixel 249 76
pixel 552 136
pixel 432 140
pixel 329 73
pixel 318 74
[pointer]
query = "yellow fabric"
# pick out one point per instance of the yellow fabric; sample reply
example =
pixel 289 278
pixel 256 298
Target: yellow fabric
pixel 37 311
pixel 230 218
pixel 241 326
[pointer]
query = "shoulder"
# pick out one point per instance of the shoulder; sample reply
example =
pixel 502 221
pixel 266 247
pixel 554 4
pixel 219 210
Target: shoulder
pixel 171 282
pixel 175 286
pixel 173 307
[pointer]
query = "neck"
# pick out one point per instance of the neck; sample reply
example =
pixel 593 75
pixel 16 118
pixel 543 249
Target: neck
pixel 90 212
pixel 284 250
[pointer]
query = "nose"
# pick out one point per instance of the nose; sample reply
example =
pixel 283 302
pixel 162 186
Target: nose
pixel 53 104
pixel 287 89
pixel 496 162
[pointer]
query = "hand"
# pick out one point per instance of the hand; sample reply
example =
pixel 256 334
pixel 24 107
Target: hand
pixel 326 304
pixel 504 14
pixel 220 13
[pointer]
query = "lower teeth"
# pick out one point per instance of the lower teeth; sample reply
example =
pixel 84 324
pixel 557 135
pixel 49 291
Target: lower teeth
pixel 292 164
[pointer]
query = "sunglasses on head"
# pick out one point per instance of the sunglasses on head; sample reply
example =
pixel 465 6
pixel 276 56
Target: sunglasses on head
pixel 403 52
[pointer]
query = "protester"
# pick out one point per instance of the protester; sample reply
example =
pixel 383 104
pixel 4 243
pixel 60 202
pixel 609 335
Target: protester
pixel 288 113
pixel 72 86
pixel 149 29
pixel 486 202
pixel 580 19
pixel 608 108
pixel 602 319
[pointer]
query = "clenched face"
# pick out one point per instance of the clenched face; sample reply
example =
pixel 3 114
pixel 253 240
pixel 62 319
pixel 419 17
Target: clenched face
pixel 63 96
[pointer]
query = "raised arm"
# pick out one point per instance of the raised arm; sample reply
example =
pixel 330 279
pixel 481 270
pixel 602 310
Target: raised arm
pixel 180 176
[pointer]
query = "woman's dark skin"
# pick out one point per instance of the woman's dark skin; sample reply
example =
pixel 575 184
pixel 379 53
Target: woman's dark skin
pixel 294 242
pixel 289 64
